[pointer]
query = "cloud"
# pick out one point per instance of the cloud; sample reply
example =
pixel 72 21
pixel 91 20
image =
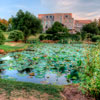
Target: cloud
pixel 81 9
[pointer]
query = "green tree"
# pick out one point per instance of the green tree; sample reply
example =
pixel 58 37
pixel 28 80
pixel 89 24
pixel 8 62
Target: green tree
pixel 58 31
pixel 91 28
pixel 2 38
pixel 16 35
pixel 3 27
pixel 27 23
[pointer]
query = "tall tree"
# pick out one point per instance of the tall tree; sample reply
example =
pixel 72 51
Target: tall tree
pixel 4 21
pixel 27 23
pixel 57 28
pixel 3 27
pixel 91 28
pixel 58 31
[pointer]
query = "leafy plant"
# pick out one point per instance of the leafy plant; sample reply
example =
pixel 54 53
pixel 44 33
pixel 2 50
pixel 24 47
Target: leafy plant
pixel 90 75
pixel 2 38
pixel 16 35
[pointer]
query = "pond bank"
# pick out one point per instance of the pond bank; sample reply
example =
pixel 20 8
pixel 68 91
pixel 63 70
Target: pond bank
pixel 12 47
pixel 30 91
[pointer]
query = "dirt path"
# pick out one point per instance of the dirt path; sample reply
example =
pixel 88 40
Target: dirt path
pixel 72 92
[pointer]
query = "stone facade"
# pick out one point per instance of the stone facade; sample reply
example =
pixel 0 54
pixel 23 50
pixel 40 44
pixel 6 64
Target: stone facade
pixel 65 18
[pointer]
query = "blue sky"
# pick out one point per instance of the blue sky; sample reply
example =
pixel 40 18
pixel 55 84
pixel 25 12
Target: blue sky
pixel 81 9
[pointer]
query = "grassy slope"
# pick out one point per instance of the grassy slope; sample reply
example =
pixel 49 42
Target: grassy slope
pixel 10 86
pixel 9 48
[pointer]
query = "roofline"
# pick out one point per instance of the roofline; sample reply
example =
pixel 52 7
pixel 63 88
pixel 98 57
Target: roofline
pixel 54 13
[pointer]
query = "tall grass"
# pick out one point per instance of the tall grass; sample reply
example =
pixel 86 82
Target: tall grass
pixel 90 75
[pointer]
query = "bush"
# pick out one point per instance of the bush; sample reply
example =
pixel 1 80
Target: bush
pixel 96 38
pixel 16 35
pixel 42 37
pixel 33 41
pixel 3 27
pixel 49 37
pixel 2 38
pixel 90 75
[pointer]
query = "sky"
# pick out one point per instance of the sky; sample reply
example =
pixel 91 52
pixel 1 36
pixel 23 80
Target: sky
pixel 81 9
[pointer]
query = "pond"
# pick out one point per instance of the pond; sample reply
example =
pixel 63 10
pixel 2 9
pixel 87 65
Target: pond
pixel 44 64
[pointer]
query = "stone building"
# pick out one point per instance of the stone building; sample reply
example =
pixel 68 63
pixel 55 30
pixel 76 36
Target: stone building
pixel 65 18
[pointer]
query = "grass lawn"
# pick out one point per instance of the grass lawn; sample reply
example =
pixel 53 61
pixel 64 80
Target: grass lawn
pixel 51 92
pixel 8 46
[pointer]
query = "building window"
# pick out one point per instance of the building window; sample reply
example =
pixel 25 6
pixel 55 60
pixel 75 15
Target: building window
pixel 46 16
pixel 66 16
pixel 60 19
pixel 50 16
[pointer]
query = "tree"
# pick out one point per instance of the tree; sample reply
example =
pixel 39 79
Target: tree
pixel 27 23
pixel 3 27
pixel 16 35
pixel 2 38
pixel 91 28
pixel 4 21
pixel 58 31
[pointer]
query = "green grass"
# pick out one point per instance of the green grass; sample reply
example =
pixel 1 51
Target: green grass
pixel 8 48
pixel 9 86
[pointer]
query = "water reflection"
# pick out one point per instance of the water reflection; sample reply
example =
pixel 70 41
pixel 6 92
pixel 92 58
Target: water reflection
pixel 26 70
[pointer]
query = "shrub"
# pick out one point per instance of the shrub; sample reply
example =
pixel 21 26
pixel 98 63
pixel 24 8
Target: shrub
pixel 42 37
pixel 90 75
pixel 3 27
pixel 2 38
pixel 16 35
pixel 49 37
pixel 33 41
pixel 96 38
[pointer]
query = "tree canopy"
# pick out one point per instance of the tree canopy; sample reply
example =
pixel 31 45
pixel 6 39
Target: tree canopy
pixel 2 38
pixel 27 23
pixel 91 28
pixel 3 27
pixel 58 31
pixel 57 28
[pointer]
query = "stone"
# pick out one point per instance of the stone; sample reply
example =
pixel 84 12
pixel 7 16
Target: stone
pixel 2 51
pixel 32 74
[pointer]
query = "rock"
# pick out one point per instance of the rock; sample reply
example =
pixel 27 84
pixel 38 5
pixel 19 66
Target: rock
pixel 2 51
pixel 32 74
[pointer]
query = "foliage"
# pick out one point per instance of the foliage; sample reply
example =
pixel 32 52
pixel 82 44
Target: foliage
pixel 27 23
pixel 90 75
pixel 3 21
pixel 75 37
pixel 2 38
pixel 96 38
pixel 3 27
pixel 58 31
pixel 33 41
pixel 42 37
pixel 91 28
pixel 16 35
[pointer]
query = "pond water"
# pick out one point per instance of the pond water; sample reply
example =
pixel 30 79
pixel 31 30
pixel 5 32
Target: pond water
pixel 44 64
